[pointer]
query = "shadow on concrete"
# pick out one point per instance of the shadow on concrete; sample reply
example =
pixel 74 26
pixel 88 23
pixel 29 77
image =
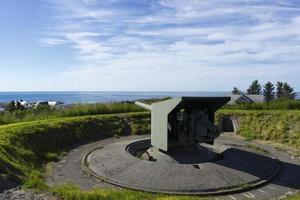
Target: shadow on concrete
pixel 288 176
pixel 263 167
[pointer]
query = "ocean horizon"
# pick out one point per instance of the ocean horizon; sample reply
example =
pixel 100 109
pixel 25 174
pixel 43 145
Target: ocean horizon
pixel 70 97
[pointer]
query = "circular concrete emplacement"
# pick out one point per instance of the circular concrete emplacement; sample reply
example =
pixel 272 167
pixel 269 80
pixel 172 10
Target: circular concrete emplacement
pixel 211 169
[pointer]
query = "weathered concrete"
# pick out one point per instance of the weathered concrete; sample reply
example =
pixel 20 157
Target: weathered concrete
pixel 286 182
pixel 182 172
pixel 68 168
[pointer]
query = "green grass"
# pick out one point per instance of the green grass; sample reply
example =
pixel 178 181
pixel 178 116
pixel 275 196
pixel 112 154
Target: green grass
pixel 7 117
pixel 26 147
pixel 293 197
pixel 282 104
pixel 281 127
pixel 71 192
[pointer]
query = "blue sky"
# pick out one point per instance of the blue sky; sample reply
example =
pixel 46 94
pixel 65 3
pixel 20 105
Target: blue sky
pixel 149 45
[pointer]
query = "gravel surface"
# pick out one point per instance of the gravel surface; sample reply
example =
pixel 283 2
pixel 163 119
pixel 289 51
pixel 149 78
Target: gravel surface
pixel 20 194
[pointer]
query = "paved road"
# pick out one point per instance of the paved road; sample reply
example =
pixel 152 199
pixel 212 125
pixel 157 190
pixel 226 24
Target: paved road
pixel 68 169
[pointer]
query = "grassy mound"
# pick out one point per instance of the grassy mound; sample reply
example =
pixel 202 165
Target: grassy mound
pixel 26 147
pixel 277 126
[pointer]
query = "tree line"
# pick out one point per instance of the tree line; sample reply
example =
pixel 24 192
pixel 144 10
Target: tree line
pixel 283 90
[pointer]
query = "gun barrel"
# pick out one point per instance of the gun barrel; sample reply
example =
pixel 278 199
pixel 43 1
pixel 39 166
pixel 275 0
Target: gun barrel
pixel 143 105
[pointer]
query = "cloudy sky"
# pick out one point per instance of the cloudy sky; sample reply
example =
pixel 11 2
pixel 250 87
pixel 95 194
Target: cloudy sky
pixel 148 45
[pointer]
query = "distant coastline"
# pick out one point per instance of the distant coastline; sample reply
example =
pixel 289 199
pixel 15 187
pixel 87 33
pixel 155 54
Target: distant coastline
pixel 94 97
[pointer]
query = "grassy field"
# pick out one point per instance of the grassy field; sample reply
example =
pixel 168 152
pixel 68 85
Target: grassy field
pixel 26 147
pixel 7 117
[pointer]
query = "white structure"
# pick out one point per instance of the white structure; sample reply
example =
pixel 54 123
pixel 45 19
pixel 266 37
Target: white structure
pixel 246 98
pixel 25 104
pixel 51 104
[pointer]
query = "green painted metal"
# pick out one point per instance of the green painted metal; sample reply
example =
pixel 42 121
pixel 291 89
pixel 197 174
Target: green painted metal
pixel 184 121
pixel 159 122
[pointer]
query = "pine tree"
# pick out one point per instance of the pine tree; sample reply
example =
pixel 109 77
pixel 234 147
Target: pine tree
pixel 268 91
pixel 279 90
pixel 236 91
pixel 288 91
pixel 254 88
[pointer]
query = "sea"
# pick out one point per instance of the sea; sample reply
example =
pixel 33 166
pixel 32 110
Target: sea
pixel 99 96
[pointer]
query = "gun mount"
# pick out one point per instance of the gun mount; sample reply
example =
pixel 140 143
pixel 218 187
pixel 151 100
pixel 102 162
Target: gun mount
pixel 184 121
pixel 176 160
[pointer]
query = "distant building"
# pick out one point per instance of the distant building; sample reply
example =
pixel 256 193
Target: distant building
pixel 24 104
pixel 246 98
pixel 51 104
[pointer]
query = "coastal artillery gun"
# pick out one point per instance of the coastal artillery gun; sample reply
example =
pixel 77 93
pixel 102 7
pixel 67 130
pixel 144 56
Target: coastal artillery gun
pixel 184 121
pixel 176 160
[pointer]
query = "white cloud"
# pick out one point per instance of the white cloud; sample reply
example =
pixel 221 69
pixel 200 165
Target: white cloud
pixel 179 45
pixel 53 41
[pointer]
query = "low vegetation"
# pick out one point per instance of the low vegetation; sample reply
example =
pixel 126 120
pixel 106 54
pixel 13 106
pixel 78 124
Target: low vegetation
pixel 294 197
pixel 70 192
pixel 281 104
pixel 8 117
pixel 26 147
pixel 279 126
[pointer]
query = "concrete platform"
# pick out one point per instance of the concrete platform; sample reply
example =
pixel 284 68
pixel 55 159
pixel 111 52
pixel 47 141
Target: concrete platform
pixel 239 168
pixel 287 182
